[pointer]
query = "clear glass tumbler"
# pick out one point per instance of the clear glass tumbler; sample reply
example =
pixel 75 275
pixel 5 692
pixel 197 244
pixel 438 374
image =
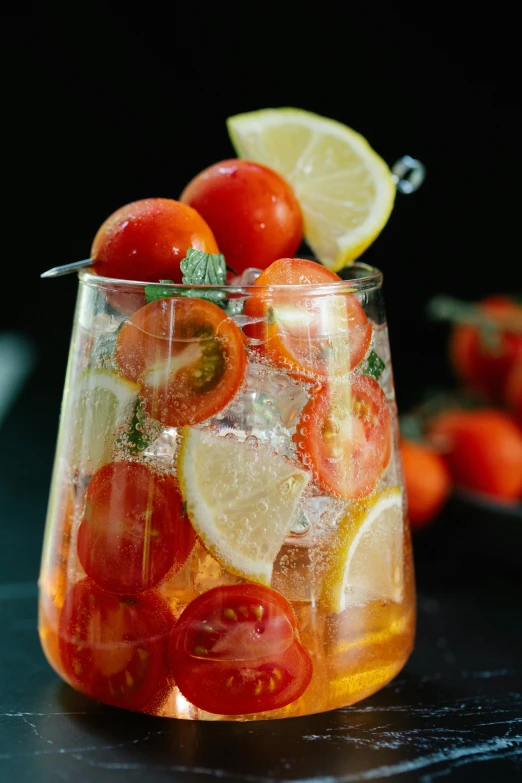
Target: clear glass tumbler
pixel 227 534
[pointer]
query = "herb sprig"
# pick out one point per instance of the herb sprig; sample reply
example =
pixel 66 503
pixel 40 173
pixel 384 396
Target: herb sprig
pixel 198 269
pixel 374 366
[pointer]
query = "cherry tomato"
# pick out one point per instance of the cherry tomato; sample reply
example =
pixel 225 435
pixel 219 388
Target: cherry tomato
pixel 146 240
pixel 133 530
pixel 251 209
pixel 477 364
pixel 483 449
pixel 315 333
pixel 345 435
pixel 188 357
pixel 115 649
pixel 428 482
pixel 236 650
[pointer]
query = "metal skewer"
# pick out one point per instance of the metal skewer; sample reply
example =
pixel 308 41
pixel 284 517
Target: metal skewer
pixel 408 175
pixel 58 271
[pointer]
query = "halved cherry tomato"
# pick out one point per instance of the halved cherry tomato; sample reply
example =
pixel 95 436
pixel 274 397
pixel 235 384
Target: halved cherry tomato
pixel 482 367
pixel 133 530
pixel 114 649
pixel 188 357
pixel 236 650
pixel 146 240
pixel 313 333
pixel 345 435
pixel 252 210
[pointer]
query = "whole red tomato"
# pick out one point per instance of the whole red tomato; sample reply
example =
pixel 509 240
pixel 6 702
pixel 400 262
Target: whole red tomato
pixel 483 449
pixel 481 366
pixel 146 240
pixel 428 482
pixel 252 211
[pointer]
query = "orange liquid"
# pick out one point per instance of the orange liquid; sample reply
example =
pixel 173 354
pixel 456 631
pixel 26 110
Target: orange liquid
pixel 354 653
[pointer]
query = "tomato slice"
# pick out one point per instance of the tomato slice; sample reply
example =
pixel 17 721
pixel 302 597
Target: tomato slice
pixel 133 530
pixel 188 356
pixel 114 649
pixel 236 650
pixel 316 333
pixel 345 435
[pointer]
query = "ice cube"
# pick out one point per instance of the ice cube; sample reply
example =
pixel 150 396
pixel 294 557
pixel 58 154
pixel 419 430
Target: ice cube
pixel 248 277
pixel 268 410
pixel 163 451
pixel 319 516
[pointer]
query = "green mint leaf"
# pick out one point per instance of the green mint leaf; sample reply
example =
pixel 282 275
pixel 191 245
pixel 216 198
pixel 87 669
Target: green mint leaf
pixel 140 433
pixel 199 268
pixel 374 366
pixel 155 291
pixel 183 509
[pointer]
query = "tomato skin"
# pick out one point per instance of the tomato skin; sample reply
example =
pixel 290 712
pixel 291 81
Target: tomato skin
pixel 133 530
pixel 114 649
pixel 188 357
pixel 334 334
pixel 482 369
pixel 428 482
pixel 483 450
pixel 252 210
pixel 348 463
pixel 146 240
pixel 236 650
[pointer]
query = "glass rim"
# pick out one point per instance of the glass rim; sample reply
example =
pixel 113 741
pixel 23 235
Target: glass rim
pixel 370 278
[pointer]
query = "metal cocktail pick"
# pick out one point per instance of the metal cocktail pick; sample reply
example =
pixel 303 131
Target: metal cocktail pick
pixel 408 175
pixel 57 271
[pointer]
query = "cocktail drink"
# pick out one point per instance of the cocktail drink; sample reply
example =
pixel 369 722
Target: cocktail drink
pixel 227 535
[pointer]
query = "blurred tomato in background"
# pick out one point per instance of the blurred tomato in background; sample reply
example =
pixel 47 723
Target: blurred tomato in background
pixel 483 450
pixel 428 482
pixel 482 353
pixel 470 437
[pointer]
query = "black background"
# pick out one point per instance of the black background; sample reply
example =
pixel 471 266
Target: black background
pixel 100 106
pixel 103 105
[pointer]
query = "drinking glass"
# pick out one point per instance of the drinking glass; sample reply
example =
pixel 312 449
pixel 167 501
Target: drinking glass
pixel 227 534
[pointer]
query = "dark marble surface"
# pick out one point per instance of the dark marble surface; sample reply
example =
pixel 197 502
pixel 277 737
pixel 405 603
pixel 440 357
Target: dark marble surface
pixel 453 714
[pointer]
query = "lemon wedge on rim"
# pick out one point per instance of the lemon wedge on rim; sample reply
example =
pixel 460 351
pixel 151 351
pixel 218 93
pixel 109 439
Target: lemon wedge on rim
pixel 241 499
pixel 366 561
pixel 345 189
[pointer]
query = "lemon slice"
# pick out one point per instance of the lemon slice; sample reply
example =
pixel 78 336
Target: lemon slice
pixel 366 557
pixel 103 404
pixel 345 189
pixel 241 500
